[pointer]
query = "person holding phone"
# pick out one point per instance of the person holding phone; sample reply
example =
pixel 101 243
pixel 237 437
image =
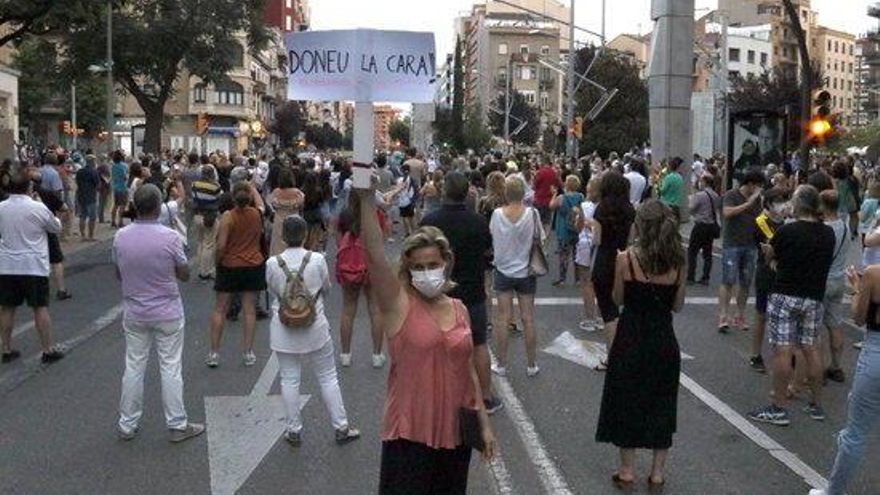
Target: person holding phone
pixel 432 384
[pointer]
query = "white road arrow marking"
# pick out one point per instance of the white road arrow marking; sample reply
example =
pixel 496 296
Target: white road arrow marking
pixel 242 430
pixel 583 352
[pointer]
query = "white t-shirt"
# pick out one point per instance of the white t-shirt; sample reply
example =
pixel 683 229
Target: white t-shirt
pixel 316 277
pixel 584 248
pixel 24 246
pixel 512 241
pixel 637 184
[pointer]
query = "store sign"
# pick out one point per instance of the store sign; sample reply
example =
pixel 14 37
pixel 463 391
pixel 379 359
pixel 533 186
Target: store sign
pixel 361 65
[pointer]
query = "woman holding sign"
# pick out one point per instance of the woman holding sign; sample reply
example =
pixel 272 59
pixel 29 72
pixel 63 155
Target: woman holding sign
pixel 434 411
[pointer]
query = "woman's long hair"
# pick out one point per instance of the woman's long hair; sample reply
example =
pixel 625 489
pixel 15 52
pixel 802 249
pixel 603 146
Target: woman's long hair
pixel 658 242
pixel 617 211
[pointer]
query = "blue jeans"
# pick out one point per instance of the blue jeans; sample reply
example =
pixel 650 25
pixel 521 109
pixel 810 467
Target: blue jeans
pixel 738 266
pixel 863 411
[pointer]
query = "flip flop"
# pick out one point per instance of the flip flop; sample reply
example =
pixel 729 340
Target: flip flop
pixel 621 483
pixel 602 366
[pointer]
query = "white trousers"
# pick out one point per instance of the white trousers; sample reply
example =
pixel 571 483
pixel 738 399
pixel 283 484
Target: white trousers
pixel 139 338
pixel 323 364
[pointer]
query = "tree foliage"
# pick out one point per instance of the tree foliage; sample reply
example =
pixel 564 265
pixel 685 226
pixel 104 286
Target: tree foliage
pixel 624 121
pixel 399 130
pixel 289 122
pixel 324 137
pixel 520 111
pixel 476 135
pixel 444 132
pixel 158 41
pixel 457 115
pixel 19 18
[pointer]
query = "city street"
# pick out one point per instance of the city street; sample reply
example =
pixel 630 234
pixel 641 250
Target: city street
pixel 57 423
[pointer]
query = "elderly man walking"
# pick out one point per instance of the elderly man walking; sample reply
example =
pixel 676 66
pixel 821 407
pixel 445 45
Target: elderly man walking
pixel 25 225
pixel 149 261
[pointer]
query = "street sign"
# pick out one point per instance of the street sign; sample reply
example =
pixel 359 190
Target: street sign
pixel 362 65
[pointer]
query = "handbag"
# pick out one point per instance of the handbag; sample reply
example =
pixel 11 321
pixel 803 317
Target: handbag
pixel 469 429
pixel 537 259
pixel 714 229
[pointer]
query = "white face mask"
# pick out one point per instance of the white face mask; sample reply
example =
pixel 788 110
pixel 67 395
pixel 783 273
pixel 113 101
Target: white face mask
pixel 429 282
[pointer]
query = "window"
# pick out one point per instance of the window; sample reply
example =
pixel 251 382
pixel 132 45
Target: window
pixel 763 58
pixel 785 51
pixel 850 50
pixel 834 101
pixel 829 45
pixel 849 103
pixel 849 85
pixel 529 96
pixel 836 47
pixel 776 51
pixel 523 49
pixel 200 93
pixel 751 56
pixel 289 4
pixel 288 23
pixel 230 93
pixel 834 83
pixel 502 49
pixel 734 55
pixel 545 100
pixel 545 74
pixel 850 68
pixel 236 55
pixel 545 50
pixel 835 66
pixel 527 72
pixel 733 74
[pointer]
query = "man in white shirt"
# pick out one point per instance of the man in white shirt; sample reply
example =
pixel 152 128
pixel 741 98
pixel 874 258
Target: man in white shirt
pixel 24 265
pixel 637 181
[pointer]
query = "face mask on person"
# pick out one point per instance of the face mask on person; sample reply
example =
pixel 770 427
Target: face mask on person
pixel 429 282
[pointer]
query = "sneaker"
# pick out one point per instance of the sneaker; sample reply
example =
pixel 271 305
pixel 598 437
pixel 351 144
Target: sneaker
pixel 192 430
pixel 588 325
pixel 213 360
pixel 513 330
pixel 835 375
pixel 126 436
pixel 815 412
pixel 262 314
pixel 818 491
pixel 63 295
pixel 294 438
pixel 558 283
pixel 345 359
pixel 757 364
pixel 771 414
pixel 499 370
pixel 346 435
pixel 51 356
pixel 378 360
pixel 249 358
pixel 723 324
pixel 858 345
pixel 10 356
pixel 532 371
pixel 493 405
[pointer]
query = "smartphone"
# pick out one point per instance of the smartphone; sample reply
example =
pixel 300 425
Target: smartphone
pixel 361 175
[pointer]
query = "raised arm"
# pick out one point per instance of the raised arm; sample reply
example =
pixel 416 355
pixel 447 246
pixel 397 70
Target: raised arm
pixel 383 278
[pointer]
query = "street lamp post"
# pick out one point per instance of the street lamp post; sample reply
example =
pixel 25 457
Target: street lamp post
pixel 507 103
pixel 109 67
pixel 73 114
pixel 569 113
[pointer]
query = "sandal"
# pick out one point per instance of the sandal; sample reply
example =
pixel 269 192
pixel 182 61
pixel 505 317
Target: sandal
pixel 602 366
pixel 621 483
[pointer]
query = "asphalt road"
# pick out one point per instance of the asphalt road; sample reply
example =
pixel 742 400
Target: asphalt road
pixel 57 423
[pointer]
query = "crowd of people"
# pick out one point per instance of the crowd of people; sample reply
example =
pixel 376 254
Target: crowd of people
pixel 261 228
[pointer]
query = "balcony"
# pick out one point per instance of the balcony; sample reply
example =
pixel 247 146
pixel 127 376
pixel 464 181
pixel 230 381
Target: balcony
pixel 546 83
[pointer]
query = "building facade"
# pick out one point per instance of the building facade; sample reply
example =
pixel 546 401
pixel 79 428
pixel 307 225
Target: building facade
pixel 8 103
pixel 835 52
pixel 383 117
pixel 288 15
pixel 868 80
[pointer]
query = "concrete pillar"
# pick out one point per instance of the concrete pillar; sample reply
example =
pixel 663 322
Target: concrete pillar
pixel 670 81
pixel 363 132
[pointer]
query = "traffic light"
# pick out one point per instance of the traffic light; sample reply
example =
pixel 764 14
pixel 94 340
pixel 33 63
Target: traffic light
pixel 823 104
pixel 578 128
pixel 202 124
pixel 66 127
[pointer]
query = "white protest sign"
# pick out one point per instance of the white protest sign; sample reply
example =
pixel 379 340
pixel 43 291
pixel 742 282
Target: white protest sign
pixel 361 65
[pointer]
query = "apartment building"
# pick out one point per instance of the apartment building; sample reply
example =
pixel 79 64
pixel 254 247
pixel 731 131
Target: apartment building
pixel 383 116
pixel 8 102
pixel 288 15
pixel 868 73
pixel 835 52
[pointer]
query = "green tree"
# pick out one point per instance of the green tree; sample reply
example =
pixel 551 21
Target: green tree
pixel 624 121
pixel 324 136
pixel 399 130
pixel 155 42
pixel 476 134
pixel 289 122
pixel 520 111
pixel 19 18
pixel 444 130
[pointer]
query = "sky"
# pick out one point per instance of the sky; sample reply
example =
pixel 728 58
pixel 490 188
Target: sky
pixel 622 16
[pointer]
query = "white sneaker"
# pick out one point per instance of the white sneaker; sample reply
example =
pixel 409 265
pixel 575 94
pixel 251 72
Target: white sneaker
pixel 532 370
pixel 213 360
pixel 378 360
pixel 818 491
pixel 249 358
pixel 345 359
pixel 499 370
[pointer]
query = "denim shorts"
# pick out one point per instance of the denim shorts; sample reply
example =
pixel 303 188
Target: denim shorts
pixel 738 265
pixel 793 320
pixel 526 285
pixel 88 211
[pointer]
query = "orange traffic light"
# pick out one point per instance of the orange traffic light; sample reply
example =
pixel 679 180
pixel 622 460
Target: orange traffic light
pixel 202 124
pixel 578 130
pixel 820 127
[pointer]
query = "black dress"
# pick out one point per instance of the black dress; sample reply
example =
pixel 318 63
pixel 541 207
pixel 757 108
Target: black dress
pixel 640 399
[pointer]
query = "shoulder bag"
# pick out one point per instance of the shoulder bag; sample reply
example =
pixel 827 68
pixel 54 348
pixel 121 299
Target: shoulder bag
pixel 714 229
pixel 537 259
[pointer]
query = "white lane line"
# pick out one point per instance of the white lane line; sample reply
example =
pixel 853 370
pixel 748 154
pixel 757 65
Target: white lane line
pixel 500 476
pixel 577 301
pixel 552 480
pixel 780 453
pixel 22 329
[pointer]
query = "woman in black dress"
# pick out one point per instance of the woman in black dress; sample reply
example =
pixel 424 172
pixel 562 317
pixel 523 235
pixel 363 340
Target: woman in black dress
pixel 614 214
pixel 640 399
